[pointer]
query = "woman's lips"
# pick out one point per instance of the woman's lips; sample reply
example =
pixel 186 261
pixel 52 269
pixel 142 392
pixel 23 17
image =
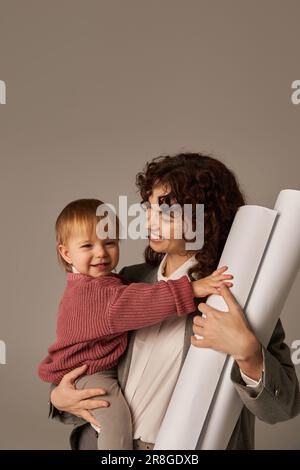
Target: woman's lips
pixel 154 238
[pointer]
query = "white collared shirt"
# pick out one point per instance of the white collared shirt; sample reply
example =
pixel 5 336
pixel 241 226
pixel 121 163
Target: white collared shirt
pixel 155 366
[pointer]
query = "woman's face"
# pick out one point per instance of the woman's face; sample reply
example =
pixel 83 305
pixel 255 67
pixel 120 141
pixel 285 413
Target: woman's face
pixel 162 228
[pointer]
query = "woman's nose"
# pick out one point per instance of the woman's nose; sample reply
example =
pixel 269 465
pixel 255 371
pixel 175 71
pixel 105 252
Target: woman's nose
pixel 148 218
pixel 152 219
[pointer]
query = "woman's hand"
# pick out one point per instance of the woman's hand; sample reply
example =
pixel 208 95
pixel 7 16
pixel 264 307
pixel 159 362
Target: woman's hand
pixel 212 284
pixel 65 397
pixel 229 333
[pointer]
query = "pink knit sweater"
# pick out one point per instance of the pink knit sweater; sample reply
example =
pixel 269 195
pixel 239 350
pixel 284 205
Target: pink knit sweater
pixel 96 313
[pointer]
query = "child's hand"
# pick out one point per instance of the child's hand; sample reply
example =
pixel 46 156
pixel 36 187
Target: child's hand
pixel 211 284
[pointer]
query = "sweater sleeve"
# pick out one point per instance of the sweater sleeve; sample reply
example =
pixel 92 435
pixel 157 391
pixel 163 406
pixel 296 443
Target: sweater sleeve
pixel 139 305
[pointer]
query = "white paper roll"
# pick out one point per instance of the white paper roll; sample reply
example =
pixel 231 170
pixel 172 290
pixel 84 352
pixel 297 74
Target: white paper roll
pixel 194 391
pixel 211 404
pixel 272 285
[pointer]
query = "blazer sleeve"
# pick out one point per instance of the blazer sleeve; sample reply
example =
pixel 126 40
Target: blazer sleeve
pixel 277 398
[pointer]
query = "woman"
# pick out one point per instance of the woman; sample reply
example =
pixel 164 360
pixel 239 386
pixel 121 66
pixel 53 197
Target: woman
pixel 265 378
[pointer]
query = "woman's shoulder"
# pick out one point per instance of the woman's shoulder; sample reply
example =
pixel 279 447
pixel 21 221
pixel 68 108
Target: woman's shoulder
pixel 141 272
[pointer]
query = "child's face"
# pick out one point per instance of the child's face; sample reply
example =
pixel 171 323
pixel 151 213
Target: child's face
pixel 91 256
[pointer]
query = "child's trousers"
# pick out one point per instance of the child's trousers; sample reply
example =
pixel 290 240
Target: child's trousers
pixel 115 421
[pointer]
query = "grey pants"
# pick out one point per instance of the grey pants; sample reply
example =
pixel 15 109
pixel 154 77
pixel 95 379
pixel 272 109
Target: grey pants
pixel 115 421
pixel 85 438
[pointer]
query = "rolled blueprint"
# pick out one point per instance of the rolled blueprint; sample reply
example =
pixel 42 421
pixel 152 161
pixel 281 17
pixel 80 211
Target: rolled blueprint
pixel 197 382
pixel 263 309
pixel 260 242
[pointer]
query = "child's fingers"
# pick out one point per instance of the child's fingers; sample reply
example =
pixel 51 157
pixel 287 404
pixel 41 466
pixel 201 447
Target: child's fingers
pixel 213 290
pixel 228 284
pixel 218 289
pixel 217 284
pixel 220 277
pixel 220 270
pixel 219 281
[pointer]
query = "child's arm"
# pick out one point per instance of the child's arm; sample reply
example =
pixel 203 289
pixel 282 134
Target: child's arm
pixel 138 305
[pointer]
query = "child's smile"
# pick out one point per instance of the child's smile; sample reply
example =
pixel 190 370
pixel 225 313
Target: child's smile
pixel 90 255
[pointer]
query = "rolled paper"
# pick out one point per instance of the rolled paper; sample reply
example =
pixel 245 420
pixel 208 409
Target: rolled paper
pixel 270 291
pixel 200 374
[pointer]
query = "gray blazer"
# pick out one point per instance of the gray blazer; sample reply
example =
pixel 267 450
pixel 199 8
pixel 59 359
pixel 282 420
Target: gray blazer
pixel 278 398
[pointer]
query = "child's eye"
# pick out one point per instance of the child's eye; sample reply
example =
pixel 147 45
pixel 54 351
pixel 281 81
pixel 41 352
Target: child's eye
pixel 110 243
pixel 87 245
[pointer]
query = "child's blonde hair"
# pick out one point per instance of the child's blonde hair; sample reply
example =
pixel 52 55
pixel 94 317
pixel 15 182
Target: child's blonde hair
pixel 77 217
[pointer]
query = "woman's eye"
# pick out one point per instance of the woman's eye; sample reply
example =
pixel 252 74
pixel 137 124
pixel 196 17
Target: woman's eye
pixel 110 243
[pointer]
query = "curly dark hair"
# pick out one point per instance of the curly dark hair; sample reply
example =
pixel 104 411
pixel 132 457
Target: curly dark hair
pixel 196 178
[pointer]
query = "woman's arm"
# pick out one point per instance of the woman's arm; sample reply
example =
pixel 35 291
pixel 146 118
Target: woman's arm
pixel 277 397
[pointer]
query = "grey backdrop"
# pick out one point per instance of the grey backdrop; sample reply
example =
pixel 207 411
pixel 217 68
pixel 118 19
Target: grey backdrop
pixel 94 90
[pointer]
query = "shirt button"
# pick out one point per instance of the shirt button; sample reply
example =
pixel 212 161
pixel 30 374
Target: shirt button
pixel 277 392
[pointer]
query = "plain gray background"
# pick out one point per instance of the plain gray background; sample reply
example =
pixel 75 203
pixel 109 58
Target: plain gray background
pixel 94 90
